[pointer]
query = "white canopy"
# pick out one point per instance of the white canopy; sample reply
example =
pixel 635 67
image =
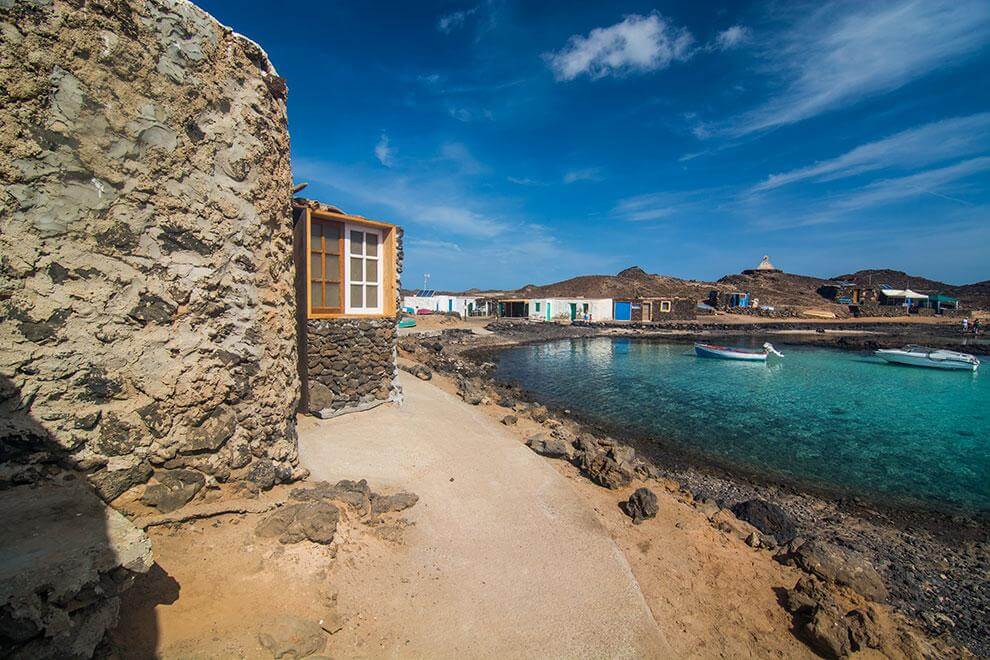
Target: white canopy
pixel 903 293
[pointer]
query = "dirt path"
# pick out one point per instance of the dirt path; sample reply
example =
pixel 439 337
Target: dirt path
pixel 505 558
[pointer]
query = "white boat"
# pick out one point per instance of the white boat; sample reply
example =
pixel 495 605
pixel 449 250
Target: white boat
pixel 732 353
pixel 934 358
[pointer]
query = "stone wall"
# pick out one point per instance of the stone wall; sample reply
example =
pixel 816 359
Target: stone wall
pixel 350 364
pixel 146 300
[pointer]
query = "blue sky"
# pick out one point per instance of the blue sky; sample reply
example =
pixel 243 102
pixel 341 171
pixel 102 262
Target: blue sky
pixel 529 142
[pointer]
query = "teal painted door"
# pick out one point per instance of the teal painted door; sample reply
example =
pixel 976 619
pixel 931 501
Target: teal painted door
pixel 548 311
pixel 573 311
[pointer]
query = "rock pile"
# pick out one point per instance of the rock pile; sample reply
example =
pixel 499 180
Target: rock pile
pixel 315 515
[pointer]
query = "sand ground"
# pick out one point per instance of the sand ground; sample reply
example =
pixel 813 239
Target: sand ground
pixel 507 554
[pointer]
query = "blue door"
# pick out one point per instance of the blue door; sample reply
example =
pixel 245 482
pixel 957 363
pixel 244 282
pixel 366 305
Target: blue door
pixel 623 311
pixel 450 304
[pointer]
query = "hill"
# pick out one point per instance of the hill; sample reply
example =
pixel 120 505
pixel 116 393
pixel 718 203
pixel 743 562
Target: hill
pixel 633 282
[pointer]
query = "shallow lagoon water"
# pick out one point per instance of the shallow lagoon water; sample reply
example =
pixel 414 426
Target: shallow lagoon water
pixel 833 419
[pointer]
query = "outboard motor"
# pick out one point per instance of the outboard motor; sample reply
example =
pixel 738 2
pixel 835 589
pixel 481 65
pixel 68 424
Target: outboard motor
pixel 768 347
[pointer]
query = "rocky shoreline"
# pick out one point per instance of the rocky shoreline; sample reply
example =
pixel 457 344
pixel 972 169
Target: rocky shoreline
pixel 934 566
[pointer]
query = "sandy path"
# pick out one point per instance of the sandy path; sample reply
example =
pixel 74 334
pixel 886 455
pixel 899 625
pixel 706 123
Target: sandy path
pixel 505 558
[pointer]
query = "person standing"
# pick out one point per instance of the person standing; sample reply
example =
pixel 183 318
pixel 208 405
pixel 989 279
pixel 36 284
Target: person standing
pixel 965 325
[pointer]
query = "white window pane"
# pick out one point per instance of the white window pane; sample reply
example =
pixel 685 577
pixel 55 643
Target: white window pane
pixel 357 295
pixel 357 269
pixel 372 295
pixel 371 244
pixel 357 242
pixel 371 270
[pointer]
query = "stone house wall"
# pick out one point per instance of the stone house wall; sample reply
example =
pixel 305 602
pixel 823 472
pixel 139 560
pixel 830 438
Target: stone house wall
pixel 350 363
pixel 146 298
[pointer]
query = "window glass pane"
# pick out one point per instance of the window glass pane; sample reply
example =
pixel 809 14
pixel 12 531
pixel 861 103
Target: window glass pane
pixel 357 269
pixel 357 242
pixel 372 295
pixel 331 238
pixel 371 270
pixel 315 261
pixel 357 295
pixel 333 268
pixel 333 295
pixel 315 242
pixel 315 293
pixel 371 244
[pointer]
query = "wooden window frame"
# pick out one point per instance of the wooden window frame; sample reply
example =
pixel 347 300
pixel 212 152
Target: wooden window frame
pixel 386 264
pixel 666 303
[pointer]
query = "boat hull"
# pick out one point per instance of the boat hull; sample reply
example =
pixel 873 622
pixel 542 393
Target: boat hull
pixel 724 353
pixel 923 361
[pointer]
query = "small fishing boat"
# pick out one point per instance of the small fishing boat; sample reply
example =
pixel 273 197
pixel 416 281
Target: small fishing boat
pixel 934 358
pixel 733 353
pixel 407 323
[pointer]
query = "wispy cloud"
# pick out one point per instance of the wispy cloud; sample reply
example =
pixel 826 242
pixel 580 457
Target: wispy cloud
pixel 525 181
pixel 846 52
pixel 431 200
pixel 450 22
pixel 732 37
pixel 586 174
pixel 460 155
pixel 899 189
pixel 662 205
pixel 916 147
pixel 383 152
pixel 637 43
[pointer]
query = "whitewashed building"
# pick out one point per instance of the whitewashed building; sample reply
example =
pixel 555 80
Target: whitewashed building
pixel 446 303
pixel 557 309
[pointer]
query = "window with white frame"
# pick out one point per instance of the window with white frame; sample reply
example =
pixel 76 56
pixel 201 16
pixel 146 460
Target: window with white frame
pixel 664 305
pixel 364 270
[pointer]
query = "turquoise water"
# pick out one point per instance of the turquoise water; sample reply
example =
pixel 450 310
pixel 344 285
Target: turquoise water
pixel 833 419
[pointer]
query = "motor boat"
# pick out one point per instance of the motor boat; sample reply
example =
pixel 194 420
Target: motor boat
pixel 934 358
pixel 732 353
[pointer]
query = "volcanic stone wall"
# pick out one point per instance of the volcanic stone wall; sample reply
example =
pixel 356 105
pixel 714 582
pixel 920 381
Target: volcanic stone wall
pixel 146 299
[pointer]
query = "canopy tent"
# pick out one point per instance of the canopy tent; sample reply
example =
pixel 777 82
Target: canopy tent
pixel 907 294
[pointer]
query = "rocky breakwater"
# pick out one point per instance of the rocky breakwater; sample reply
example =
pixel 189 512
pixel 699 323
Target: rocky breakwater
pixel 146 298
pixel 350 364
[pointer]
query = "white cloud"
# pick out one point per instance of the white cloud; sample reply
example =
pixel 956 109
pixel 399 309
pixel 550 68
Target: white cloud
pixel 384 153
pixel 662 205
pixel 525 181
pixel 587 174
pixel 450 22
pixel 637 43
pixel 928 182
pixel 846 52
pixel 732 37
pixel 916 147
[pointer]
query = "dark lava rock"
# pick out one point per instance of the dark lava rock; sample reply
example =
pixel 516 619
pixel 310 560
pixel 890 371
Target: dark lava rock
pixel 471 391
pixel 549 446
pixel 355 494
pixel 831 632
pixel 642 505
pixel 315 521
pixel 174 489
pixel 111 484
pixel 212 433
pixel 839 566
pixel 389 503
pixel 539 414
pixel 767 517
pixel 262 474
pixel 510 420
pixel 604 470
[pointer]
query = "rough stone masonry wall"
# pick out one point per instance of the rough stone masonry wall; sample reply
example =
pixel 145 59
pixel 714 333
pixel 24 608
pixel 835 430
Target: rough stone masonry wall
pixel 146 298
pixel 351 363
